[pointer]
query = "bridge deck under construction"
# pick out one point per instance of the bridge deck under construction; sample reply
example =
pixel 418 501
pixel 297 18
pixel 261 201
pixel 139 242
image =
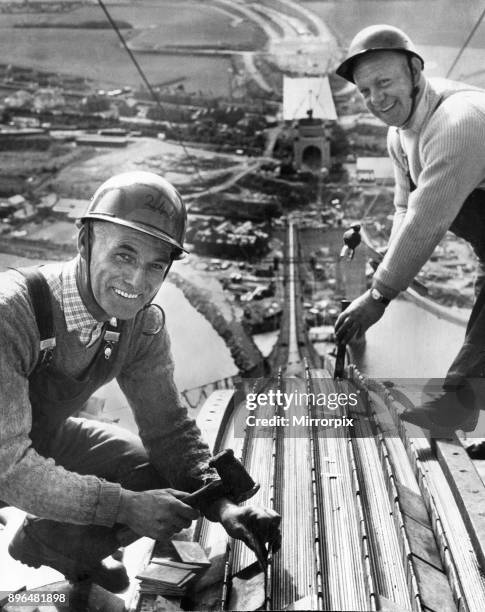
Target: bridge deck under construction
pixel 375 515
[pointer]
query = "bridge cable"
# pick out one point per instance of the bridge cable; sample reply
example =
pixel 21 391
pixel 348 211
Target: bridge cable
pixel 152 91
pixel 465 44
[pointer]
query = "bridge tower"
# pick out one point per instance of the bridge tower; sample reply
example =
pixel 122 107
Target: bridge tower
pixel 311 147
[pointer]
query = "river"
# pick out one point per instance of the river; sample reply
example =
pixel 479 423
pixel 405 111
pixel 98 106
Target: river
pixel 409 342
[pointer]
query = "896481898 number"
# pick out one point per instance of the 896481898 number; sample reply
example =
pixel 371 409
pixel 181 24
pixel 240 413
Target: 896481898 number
pixel 37 598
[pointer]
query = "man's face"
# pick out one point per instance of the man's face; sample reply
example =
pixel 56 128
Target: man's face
pixel 127 269
pixel 384 80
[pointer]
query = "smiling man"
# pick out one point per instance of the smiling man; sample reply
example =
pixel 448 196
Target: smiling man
pixel 90 487
pixel 436 140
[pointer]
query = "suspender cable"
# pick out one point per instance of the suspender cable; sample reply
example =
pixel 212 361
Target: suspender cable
pixel 465 44
pixel 142 74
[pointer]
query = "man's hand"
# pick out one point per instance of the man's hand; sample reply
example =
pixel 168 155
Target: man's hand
pixel 358 317
pixel 255 526
pixel 158 514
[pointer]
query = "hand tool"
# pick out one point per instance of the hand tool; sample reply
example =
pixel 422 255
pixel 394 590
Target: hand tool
pixel 341 350
pixel 234 482
pixel 352 240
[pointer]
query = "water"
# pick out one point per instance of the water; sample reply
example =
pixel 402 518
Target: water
pixel 97 53
pixel 409 342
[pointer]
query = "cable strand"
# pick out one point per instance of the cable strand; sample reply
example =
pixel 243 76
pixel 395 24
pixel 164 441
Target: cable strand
pixel 152 91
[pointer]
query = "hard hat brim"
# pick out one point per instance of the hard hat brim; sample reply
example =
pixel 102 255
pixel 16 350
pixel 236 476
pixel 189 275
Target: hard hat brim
pixel 180 251
pixel 346 68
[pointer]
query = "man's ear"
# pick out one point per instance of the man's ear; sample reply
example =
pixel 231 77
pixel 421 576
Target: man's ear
pixel 82 239
pixel 417 68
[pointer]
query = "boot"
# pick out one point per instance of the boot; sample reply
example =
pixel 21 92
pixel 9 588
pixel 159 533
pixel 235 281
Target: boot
pixel 73 550
pixel 446 410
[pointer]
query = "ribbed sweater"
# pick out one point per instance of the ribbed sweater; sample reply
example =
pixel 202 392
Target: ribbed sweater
pixel 144 370
pixel 444 145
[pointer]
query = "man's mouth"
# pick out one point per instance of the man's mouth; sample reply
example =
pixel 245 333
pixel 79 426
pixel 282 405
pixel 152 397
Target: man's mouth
pixel 125 294
pixel 387 108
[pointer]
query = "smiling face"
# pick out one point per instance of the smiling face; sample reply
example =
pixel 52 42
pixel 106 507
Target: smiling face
pixel 127 268
pixel 384 79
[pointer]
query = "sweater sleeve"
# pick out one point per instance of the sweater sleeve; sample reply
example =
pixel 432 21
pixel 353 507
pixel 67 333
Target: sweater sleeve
pixel 172 439
pixel 27 480
pixel 453 160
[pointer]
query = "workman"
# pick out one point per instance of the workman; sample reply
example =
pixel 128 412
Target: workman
pixel 90 487
pixel 436 140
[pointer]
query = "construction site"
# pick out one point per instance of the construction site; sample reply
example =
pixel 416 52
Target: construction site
pixel 289 192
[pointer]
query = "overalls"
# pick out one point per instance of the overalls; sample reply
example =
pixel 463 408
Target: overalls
pixel 85 447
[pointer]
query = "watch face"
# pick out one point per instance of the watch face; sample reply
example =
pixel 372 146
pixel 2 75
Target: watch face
pixel 378 297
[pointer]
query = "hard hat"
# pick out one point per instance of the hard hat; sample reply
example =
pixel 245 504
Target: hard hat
pixel 376 38
pixel 145 202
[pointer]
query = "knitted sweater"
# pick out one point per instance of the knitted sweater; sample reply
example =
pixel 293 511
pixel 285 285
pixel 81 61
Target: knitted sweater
pixel 444 147
pixel 144 369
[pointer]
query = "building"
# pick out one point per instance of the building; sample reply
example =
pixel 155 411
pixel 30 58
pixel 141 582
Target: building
pixel 70 207
pixel 311 147
pixel 101 141
pixel 375 169
pixel 309 100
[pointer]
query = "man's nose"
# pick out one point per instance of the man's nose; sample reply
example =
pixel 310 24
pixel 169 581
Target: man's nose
pixel 376 96
pixel 136 278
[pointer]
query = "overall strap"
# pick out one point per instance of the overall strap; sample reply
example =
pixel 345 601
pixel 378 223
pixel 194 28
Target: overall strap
pixel 111 336
pixel 40 296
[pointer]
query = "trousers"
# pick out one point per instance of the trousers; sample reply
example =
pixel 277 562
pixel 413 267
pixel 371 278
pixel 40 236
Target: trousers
pixel 469 224
pixel 106 451
pixel 470 361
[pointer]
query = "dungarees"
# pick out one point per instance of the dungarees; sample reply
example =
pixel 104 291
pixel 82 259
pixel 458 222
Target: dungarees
pixel 85 447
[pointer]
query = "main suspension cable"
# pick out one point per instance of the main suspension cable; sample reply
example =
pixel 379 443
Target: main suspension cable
pixel 152 91
pixel 465 44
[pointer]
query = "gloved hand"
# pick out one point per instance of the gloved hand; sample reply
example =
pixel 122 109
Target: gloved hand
pixel 361 314
pixel 257 527
pixel 158 514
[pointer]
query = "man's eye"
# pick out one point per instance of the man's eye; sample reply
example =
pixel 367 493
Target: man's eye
pixel 124 257
pixel 156 267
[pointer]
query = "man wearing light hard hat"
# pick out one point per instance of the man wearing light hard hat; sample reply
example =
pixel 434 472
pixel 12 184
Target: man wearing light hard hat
pixel 66 330
pixel 436 140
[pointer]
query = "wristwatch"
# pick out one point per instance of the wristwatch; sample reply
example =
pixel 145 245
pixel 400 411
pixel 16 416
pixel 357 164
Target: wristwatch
pixel 377 296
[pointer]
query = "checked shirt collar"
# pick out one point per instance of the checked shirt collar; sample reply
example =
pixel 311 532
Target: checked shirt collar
pixel 77 316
